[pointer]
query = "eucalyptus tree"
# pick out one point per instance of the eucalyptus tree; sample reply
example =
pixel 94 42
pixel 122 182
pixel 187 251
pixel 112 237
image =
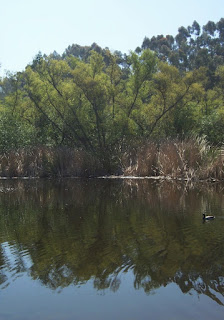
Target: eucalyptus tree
pixel 192 47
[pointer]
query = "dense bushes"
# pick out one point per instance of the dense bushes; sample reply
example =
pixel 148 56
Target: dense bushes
pixel 104 106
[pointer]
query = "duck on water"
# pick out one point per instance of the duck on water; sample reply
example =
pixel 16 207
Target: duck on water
pixel 208 217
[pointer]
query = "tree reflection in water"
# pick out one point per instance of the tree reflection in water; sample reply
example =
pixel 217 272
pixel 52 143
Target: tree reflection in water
pixel 68 232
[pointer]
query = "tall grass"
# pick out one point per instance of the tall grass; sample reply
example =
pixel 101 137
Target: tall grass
pixel 191 159
pixel 140 161
pixel 48 162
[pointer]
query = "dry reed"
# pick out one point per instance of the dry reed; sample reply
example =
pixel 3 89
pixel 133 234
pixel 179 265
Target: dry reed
pixel 191 159
pixel 47 162
pixel 140 161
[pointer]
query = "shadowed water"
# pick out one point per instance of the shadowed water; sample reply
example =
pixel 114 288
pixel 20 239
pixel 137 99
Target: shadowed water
pixel 106 249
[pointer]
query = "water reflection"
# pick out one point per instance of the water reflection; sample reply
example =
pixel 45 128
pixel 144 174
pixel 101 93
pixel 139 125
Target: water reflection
pixel 68 232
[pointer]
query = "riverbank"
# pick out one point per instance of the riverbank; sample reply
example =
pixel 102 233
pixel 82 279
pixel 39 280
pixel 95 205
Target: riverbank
pixel 191 159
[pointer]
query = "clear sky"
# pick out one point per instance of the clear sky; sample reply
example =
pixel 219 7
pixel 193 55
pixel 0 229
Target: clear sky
pixel 29 26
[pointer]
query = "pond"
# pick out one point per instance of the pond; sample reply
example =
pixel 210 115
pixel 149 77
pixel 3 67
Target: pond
pixel 110 249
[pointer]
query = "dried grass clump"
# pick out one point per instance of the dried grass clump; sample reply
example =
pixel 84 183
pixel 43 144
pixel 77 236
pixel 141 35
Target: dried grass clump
pixel 141 161
pixel 190 159
pixel 46 162
pixel 170 159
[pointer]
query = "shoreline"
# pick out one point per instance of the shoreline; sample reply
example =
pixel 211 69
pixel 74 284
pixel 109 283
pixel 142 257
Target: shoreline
pixel 119 177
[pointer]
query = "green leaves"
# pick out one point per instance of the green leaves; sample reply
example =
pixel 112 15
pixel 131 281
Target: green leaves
pixel 100 102
pixel 142 67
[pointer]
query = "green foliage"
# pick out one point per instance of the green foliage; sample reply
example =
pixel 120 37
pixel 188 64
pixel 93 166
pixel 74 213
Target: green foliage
pixel 92 99
pixel 82 104
pixel 212 126
pixel 14 133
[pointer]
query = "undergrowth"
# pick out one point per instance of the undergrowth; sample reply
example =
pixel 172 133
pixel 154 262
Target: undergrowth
pixel 189 159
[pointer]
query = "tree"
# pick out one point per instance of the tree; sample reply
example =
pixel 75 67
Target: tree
pixel 193 47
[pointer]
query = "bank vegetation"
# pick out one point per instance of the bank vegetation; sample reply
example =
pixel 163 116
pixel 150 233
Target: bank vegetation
pixel 158 111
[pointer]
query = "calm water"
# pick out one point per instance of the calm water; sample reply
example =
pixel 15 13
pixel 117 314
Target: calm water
pixel 110 249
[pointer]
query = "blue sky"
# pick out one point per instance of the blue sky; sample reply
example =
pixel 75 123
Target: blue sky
pixel 29 26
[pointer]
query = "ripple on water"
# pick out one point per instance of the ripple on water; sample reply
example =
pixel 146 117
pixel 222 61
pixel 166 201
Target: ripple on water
pixel 16 260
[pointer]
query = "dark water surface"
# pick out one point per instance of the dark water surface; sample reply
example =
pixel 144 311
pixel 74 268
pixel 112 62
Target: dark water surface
pixel 110 249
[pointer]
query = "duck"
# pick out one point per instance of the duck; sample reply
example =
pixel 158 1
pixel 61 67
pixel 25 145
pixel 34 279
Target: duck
pixel 208 217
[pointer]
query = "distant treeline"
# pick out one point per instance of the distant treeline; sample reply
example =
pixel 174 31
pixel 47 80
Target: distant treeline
pixel 101 102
